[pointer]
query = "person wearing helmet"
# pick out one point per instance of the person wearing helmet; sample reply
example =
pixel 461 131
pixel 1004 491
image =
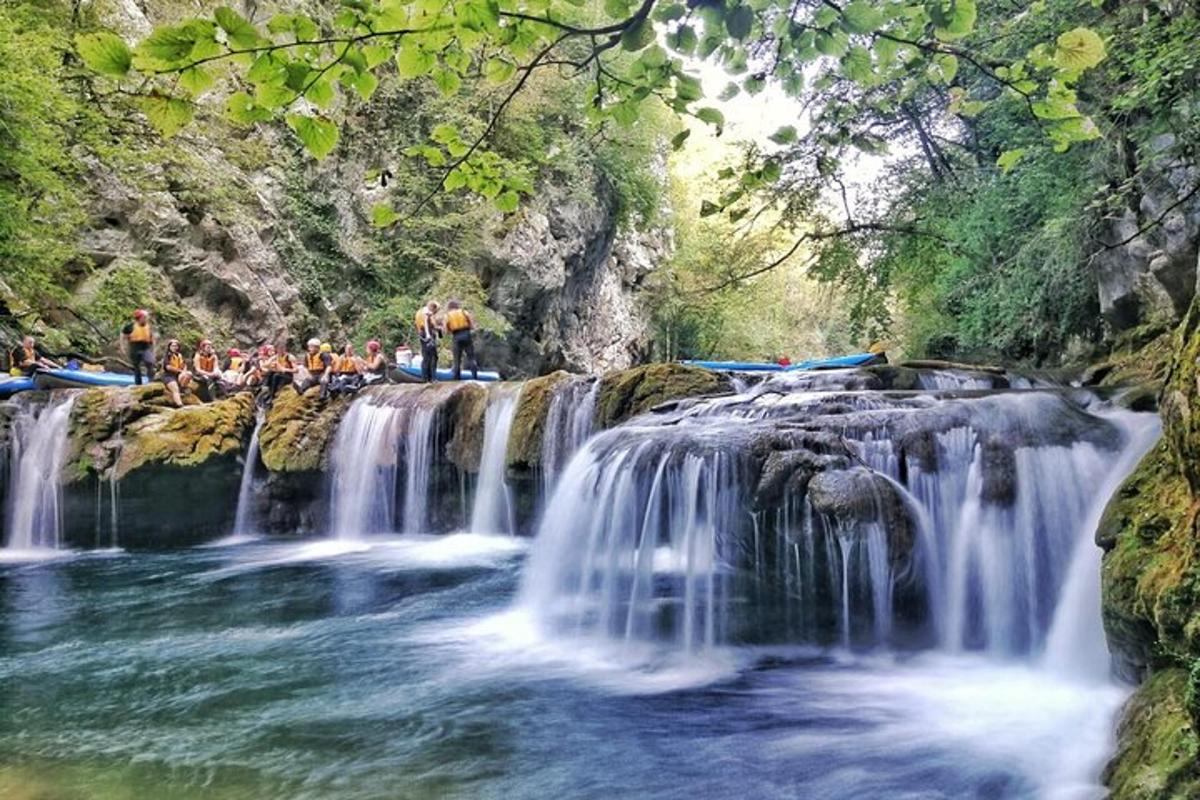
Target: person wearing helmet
pixel 374 366
pixel 234 374
pixel 138 339
pixel 206 371
pixel 317 367
pixel 461 327
pixel 174 373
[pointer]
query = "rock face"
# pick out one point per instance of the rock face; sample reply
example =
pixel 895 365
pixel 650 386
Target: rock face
pixel 1152 275
pixel 168 476
pixel 630 392
pixel 1151 599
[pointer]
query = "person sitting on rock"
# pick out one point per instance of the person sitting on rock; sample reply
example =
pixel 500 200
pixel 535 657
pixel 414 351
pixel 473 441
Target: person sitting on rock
pixel 280 371
pixel 207 371
pixel 138 338
pixel 461 326
pixel 257 367
pixel 318 367
pixel 349 371
pixel 374 366
pixel 28 358
pixel 233 376
pixel 174 373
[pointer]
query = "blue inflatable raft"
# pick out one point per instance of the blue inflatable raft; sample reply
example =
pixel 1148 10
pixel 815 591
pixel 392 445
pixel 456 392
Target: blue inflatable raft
pixel 837 362
pixel 413 375
pixel 79 379
pixel 10 385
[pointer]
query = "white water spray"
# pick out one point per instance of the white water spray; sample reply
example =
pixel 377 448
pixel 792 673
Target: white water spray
pixel 39 448
pixel 492 511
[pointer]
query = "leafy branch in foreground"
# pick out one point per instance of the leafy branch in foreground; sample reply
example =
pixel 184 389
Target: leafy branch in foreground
pixel 883 55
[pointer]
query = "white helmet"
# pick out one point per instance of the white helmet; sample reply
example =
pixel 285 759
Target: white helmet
pixel 314 343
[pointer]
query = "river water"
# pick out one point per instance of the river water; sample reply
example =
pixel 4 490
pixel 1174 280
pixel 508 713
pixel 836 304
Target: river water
pixel 396 668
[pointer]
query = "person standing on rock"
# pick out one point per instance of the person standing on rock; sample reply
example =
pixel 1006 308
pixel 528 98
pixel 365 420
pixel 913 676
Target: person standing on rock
pixel 138 339
pixel 461 326
pixel 428 332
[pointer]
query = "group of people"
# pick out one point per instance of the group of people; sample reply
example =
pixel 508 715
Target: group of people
pixel 272 367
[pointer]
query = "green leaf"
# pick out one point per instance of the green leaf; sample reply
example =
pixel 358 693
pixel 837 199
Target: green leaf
pixel 638 35
pixel 280 23
pixel 678 139
pixel 375 54
pixel 713 117
pixel 831 44
pixel 412 60
pixel 952 19
pixel 455 180
pixel 730 91
pixel 272 96
pixel 1079 49
pixel 688 88
pixel 861 17
pixel 669 12
pixel 105 53
pixel 943 68
pixel 383 215
pixel 365 84
pixel 168 44
pixel 318 134
pixel 167 114
pixel 447 81
pixel 266 70
pixel 507 202
pixel 683 40
pixel 195 80
pixel 238 31
pixel 771 171
pixel 320 94
pixel 739 21
pixel 785 135
pixel 498 70
pixel 241 109
pixel 1009 158
pixel 856 64
pixel 444 134
pixel 707 209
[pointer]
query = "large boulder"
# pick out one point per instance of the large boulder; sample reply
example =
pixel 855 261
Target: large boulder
pixel 628 393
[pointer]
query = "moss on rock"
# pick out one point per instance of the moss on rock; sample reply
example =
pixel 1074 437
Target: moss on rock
pixel 1158 755
pixel 299 429
pixel 524 452
pixel 186 437
pixel 630 392
pixel 468 410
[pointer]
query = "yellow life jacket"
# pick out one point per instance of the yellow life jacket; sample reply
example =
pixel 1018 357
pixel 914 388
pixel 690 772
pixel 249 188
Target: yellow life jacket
pixel 207 363
pixel 347 365
pixel 457 320
pixel 236 363
pixel 175 362
pixel 419 320
pixel 313 363
pixel 30 356
pixel 141 333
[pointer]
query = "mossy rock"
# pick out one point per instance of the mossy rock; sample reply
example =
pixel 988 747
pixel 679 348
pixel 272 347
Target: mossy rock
pixel 630 392
pixel 468 410
pixel 299 429
pixel 1158 752
pixel 524 453
pixel 187 437
pixel 1151 572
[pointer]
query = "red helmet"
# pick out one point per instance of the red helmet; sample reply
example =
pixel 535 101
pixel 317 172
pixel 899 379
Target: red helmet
pixel 264 350
pixel 373 346
pixel 141 313
pixel 233 352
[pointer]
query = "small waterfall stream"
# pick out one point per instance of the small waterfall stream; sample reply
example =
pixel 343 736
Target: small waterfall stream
pixel 33 517
pixel 492 511
pixel 569 422
pixel 363 473
pixel 244 520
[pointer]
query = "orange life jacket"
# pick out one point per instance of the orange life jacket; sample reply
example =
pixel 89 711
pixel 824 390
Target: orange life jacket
pixel 207 363
pixel 30 356
pixel 457 320
pixel 141 333
pixel 313 363
pixel 347 365
pixel 419 321
pixel 175 362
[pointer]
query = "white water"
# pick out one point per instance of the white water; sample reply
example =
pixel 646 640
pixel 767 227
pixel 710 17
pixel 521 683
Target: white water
pixel 569 422
pixel 492 511
pixel 364 468
pixel 243 524
pixel 420 449
pixel 33 515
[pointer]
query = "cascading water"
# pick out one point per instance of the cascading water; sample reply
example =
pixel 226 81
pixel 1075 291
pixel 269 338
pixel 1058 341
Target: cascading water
pixel 569 422
pixel 957 527
pixel 492 511
pixel 243 524
pixel 420 446
pixel 364 468
pixel 39 447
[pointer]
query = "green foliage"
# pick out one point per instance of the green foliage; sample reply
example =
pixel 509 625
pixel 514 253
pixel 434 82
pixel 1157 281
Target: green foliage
pixel 131 285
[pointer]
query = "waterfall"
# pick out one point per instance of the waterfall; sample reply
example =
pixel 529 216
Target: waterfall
pixel 569 422
pixel 243 524
pixel 364 465
pixel 420 448
pixel 492 512
pixel 39 448
pixel 967 524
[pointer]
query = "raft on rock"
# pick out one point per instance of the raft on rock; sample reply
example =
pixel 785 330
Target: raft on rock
pixel 837 362
pixel 79 379
pixel 402 374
